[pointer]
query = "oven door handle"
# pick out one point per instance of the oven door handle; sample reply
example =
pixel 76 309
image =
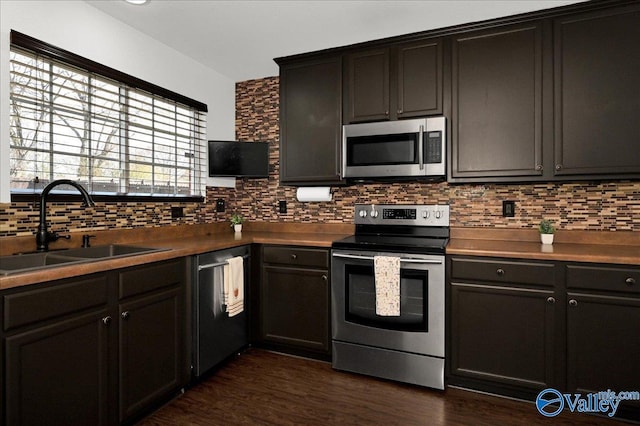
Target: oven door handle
pixel 421 148
pixel 402 259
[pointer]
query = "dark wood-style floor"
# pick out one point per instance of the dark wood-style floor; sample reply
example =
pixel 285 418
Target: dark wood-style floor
pixel 266 388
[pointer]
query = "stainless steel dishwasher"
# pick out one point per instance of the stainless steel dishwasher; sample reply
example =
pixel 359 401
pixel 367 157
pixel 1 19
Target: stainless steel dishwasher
pixel 216 336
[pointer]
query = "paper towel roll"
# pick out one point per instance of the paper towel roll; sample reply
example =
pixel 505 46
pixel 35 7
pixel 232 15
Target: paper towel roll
pixel 314 193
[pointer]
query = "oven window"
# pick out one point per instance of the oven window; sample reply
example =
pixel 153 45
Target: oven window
pixel 382 150
pixel 361 299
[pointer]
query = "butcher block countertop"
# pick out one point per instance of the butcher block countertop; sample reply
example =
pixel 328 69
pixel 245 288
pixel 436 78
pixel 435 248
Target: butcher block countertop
pixel 181 241
pixel 571 246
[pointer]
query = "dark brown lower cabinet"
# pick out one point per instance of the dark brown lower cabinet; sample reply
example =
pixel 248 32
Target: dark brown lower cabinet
pixel 94 350
pixel 294 300
pixel 58 374
pixel 575 331
pixel 503 334
pixel 151 348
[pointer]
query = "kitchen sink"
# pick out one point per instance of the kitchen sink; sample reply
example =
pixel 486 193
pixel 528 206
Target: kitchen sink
pixel 110 251
pixel 34 261
pixel 37 261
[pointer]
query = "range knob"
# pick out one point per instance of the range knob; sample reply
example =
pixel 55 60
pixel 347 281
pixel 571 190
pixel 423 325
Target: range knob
pixel 438 214
pixel 425 214
pixel 374 212
pixel 363 213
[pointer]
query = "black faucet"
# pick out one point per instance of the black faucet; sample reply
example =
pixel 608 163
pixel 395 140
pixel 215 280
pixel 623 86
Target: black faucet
pixel 43 236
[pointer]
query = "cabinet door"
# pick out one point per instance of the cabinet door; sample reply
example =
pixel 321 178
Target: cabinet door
pixel 367 93
pixel 503 335
pixel 419 79
pixel 497 103
pixel 310 121
pixel 597 58
pixel 602 343
pixel 59 374
pixel 295 307
pixel 151 349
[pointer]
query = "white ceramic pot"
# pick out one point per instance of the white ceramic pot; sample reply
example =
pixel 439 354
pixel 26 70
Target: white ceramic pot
pixel 546 238
pixel 237 228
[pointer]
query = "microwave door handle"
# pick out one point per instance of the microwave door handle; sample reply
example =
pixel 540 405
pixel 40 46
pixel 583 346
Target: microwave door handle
pixel 421 148
pixel 403 260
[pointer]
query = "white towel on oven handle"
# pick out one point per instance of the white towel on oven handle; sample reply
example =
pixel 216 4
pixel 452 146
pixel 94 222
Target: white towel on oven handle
pixel 387 283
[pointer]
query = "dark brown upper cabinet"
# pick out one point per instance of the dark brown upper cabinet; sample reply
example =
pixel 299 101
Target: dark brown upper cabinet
pixel 310 121
pixel 497 104
pixel 391 83
pixel 597 87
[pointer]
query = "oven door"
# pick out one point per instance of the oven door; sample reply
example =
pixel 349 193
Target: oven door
pixel 420 326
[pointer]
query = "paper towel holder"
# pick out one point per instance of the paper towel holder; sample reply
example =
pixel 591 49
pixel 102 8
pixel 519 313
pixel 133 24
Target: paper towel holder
pixel 314 194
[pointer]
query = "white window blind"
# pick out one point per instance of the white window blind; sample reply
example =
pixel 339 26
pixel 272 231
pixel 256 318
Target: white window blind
pixel 114 139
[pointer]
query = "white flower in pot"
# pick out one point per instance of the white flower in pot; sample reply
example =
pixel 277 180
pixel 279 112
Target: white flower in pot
pixel 236 222
pixel 546 231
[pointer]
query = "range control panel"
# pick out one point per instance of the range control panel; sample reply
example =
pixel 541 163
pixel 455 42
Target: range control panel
pixel 392 214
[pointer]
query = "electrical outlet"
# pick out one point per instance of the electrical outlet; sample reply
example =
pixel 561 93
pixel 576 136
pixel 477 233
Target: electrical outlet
pixel 282 206
pixel 508 208
pixel 219 205
pixel 177 212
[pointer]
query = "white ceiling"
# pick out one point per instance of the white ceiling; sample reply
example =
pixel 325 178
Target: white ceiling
pixel 239 39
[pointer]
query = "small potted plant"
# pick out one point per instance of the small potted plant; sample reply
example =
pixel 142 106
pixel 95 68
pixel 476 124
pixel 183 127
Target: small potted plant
pixel 546 231
pixel 236 222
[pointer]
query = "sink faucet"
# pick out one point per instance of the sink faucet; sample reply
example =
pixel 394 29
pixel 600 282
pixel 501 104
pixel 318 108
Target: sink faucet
pixel 43 236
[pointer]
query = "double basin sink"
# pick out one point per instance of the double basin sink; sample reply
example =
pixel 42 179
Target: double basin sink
pixel 44 260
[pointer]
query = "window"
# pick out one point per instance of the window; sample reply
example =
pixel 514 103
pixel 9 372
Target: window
pixel 111 136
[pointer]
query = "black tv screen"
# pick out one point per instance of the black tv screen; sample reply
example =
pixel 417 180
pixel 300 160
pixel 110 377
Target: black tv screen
pixel 239 159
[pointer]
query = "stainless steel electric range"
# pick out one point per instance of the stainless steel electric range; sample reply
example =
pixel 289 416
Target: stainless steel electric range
pixel 408 347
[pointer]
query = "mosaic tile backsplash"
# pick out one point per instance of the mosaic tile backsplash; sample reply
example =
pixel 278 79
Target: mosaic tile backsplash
pixel 576 206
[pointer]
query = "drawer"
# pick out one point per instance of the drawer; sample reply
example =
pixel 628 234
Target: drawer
pixel 503 271
pixel 143 279
pixel 603 278
pixel 296 256
pixel 55 300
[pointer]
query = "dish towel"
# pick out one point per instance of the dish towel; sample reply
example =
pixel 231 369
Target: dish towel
pixel 234 285
pixel 387 276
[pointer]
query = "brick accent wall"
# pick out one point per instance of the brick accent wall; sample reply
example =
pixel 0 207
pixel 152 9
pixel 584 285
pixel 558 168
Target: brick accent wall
pixel 598 206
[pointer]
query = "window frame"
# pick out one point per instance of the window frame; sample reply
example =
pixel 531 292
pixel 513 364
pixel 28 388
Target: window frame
pixel 53 53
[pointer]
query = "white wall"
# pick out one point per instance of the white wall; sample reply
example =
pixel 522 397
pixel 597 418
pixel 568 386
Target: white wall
pixel 84 30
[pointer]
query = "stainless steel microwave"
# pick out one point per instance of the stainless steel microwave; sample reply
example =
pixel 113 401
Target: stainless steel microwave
pixel 394 149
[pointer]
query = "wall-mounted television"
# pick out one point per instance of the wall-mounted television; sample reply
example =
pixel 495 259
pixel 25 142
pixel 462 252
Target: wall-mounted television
pixel 239 159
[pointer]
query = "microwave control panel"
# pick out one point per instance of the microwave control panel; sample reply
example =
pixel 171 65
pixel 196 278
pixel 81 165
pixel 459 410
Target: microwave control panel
pixel 433 147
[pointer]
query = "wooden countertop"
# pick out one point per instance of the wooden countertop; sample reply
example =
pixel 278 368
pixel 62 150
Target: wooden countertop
pixel 571 246
pixel 574 246
pixel 180 246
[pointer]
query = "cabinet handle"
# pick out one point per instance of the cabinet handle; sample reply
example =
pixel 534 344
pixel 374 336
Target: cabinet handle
pixel 551 300
pixel 399 111
pixel 324 278
pixel 386 112
pixel 294 256
pixel 630 281
pixel 125 315
pixel 106 320
pixel 558 166
pixel 500 271
pixel 539 167
pixel 573 302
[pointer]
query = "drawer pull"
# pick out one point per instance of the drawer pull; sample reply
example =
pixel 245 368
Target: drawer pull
pixel 500 271
pixel 630 281
pixel 106 320
pixel 551 300
pixel 125 315
pixel 294 256
pixel 573 302
pixel 324 278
